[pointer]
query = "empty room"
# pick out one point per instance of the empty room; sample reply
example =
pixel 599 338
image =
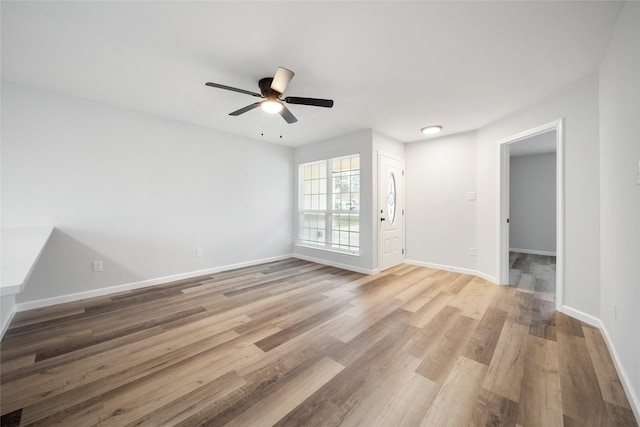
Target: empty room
pixel 304 213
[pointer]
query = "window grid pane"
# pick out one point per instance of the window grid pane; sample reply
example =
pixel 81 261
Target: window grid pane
pixel 314 186
pixel 345 231
pixel 330 216
pixel 313 228
pixel 346 183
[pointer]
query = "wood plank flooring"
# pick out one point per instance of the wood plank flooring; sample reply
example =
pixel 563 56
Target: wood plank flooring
pixel 293 343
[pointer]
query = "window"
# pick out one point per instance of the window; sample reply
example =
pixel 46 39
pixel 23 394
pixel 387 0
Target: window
pixel 330 204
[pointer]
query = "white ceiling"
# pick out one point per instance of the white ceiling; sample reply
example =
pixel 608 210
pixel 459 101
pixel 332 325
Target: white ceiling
pixel 394 67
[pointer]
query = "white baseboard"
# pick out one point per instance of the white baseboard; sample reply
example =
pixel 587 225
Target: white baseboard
pixel 532 252
pixel 453 268
pixel 28 305
pixel 335 264
pixel 488 277
pixel 632 396
pixel 582 316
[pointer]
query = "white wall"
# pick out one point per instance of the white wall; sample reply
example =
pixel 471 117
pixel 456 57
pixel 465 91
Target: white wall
pixel 441 222
pixel 361 143
pixel 620 193
pixel 138 192
pixel 532 200
pixel 7 309
pixel 578 105
pixel 383 144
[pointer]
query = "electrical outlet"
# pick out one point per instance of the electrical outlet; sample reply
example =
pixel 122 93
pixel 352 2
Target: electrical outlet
pixel 472 251
pixel 96 266
pixel 471 195
pixel 199 252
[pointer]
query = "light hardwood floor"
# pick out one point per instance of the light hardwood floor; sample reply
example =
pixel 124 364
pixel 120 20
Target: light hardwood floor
pixel 292 343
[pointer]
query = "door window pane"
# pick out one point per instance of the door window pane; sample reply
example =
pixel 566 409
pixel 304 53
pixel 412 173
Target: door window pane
pixel 391 198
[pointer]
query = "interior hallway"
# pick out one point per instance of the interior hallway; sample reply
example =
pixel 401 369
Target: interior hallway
pixel 533 273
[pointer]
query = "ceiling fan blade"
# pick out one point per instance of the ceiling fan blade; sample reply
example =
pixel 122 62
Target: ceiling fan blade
pixel 288 115
pixel 281 79
pixel 245 109
pixel 316 102
pixel 234 89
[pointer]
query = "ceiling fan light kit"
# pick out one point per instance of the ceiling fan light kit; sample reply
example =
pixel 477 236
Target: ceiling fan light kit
pixel 271 90
pixel 271 106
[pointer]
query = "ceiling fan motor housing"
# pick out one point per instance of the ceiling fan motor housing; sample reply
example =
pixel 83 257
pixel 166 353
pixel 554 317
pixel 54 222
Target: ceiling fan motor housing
pixel 265 88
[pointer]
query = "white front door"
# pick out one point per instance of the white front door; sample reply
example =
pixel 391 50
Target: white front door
pixel 390 212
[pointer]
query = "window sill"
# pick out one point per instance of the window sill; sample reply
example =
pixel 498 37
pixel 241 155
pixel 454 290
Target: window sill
pixel 331 250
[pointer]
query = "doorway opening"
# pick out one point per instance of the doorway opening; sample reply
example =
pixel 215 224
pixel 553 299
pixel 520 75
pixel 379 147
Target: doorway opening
pixel 531 212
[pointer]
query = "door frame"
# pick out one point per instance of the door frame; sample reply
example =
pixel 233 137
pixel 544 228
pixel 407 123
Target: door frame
pixel 377 207
pixel 503 204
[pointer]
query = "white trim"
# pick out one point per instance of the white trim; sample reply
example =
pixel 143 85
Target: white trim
pixel 634 401
pixel 328 249
pixel 335 264
pixel 5 326
pixel 28 305
pixel 622 374
pixel 502 255
pixel 486 276
pixel 560 215
pixel 532 252
pixel 582 316
pixel 452 268
pixel 503 208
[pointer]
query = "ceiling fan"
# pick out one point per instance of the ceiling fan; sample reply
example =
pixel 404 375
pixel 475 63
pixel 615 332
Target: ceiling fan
pixel 271 90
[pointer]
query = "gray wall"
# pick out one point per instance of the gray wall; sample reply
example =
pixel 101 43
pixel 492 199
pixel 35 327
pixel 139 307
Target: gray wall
pixel 440 220
pixel 138 192
pixel 578 106
pixel 620 195
pixel 532 203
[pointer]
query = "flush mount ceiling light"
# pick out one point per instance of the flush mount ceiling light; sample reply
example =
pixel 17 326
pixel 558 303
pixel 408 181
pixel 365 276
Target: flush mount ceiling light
pixel 431 130
pixel 271 106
